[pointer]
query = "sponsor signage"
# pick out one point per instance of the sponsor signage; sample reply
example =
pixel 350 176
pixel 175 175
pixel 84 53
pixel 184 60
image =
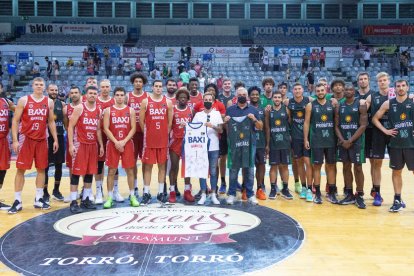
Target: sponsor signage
pixel 134 52
pixel 180 240
pixel 293 52
pixel 300 30
pixel 331 52
pixel 70 29
pixel 382 30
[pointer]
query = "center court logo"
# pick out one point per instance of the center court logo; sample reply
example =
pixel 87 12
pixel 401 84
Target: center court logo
pixel 186 225
pixel 180 240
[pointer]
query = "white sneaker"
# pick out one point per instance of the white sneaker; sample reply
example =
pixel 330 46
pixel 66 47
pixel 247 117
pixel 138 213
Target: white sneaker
pixel 67 199
pixel 41 204
pixel 230 200
pixel 91 198
pixel 214 199
pixel 118 197
pixel 253 200
pixel 99 198
pixel 202 199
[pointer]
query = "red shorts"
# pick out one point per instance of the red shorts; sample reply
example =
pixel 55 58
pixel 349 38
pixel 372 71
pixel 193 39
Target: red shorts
pixel 138 139
pixel 176 145
pixel 85 160
pixel 113 155
pixel 154 155
pixel 32 149
pixel 4 154
pixel 68 157
pixel 104 141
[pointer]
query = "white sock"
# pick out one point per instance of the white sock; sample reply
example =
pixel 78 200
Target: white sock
pixel 110 194
pixel 187 187
pixel 131 192
pixel 73 196
pixel 39 193
pixel 146 189
pixel 172 188
pixel 116 185
pixel 98 185
pixel 135 183
pixel 86 193
pixel 160 188
pixel 18 196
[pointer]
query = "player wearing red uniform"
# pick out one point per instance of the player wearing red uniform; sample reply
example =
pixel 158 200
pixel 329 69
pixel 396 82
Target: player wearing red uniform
pixel 195 95
pixel 182 115
pixel 85 122
pixel 120 126
pixel 155 118
pixel 34 113
pixel 171 89
pixel 5 106
pixel 134 100
pixel 90 81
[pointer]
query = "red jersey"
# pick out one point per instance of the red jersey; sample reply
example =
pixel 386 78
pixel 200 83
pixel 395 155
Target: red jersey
pixel 217 105
pixel 180 116
pixel 173 100
pixel 135 103
pixel 104 104
pixel 156 124
pixel 69 110
pixel 34 118
pixel 195 99
pixel 120 122
pixel 4 118
pixel 87 125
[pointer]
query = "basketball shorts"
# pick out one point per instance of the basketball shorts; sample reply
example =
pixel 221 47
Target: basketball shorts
pixel 85 160
pixel 32 149
pixel 59 156
pixel 319 154
pixel 5 154
pixel 260 156
pixel 378 144
pixel 280 157
pixel 355 154
pixel 113 155
pixel 104 141
pixel 401 157
pixel 176 146
pixel 298 148
pixel 154 155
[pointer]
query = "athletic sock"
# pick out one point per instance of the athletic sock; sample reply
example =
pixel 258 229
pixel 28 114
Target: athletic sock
pixel 116 188
pixel 73 196
pixel 18 196
pixel 39 193
pixel 187 187
pixel 377 189
pixel 296 180
pixel 111 194
pixel 98 185
pixel 285 185
pixel 317 189
pixel 56 186
pixel 397 197
pixel 331 188
pixel 146 189
pixel 172 187
pixel 45 191
pixel 160 188
pixel 86 193
pixel 223 180
pixel 135 183
pixel 131 192
pixel 304 184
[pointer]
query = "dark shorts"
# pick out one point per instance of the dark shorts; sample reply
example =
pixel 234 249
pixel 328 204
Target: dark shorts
pixel 401 157
pixel 368 142
pixel 260 156
pixel 319 154
pixel 379 143
pixel 280 157
pixel 355 154
pixel 59 156
pixel 299 150
pixel 223 145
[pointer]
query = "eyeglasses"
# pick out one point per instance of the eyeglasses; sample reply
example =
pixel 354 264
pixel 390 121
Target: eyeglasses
pixel 208 118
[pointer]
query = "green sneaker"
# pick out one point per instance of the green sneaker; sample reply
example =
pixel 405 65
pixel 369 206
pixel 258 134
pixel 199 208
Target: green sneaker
pixel 298 187
pixel 109 203
pixel 133 201
pixel 309 195
pixel 303 193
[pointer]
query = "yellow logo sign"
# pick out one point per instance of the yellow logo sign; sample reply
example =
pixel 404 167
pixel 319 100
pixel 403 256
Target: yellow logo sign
pixel 403 116
pixel 348 118
pixel 241 135
pixel 324 118
pixel 278 122
pixel 299 114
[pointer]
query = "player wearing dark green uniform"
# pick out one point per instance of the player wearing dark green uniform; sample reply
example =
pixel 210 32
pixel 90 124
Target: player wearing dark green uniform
pixel 350 122
pixel 260 156
pixel 55 159
pixel 401 130
pixel 266 98
pixel 319 137
pixel 278 144
pixel 301 156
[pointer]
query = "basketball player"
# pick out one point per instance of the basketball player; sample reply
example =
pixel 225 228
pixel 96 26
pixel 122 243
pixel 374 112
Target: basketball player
pixel 85 124
pixel 155 118
pixel 90 81
pixel 134 100
pixel 195 95
pixel 242 138
pixel 381 140
pixel 34 113
pixel 182 115
pixel 260 156
pixel 400 129
pixel 5 154
pixel 278 144
pixel 225 96
pixel 103 101
pixel 301 156
pixel 120 126
pixel 171 89
pixel 266 98
pixel 58 158
pixel 319 123
pixel 351 120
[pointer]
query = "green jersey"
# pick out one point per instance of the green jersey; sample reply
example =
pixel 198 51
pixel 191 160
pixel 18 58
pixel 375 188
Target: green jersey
pixel 297 111
pixel 58 114
pixel 240 138
pixel 401 117
pixel 260 135
pixel 265 101
pixel 279 129
pixel 322 134
pixel 377 99
pixel 349 121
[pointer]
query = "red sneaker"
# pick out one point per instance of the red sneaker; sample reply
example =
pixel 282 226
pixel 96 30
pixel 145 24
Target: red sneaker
pixel 188 196
pixel 173 197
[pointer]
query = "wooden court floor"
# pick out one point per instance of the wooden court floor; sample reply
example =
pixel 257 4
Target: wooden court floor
pixel 339 240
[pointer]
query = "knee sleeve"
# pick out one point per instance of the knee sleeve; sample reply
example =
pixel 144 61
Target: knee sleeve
pixel 88 178
pixel 58 172
pixel 74 180
pixel 100 166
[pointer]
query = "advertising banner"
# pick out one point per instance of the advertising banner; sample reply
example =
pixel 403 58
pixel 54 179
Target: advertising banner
pixel 388 30
pixel 300 30
pixel 134 52
pixel 80 29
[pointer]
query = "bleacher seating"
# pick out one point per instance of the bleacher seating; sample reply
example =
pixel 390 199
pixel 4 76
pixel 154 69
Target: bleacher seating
pixel 305 40
pixel 58 39
pixel 167 41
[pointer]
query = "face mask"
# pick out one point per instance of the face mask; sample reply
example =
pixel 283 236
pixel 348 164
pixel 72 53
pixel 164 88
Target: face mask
pixel 241 99
pixel 208 105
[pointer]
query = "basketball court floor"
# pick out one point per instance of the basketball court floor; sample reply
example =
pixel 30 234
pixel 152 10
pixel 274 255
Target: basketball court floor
pixel 278 237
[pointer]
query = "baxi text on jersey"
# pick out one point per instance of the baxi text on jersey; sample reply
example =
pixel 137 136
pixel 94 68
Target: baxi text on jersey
pixel 158 111
pixel 90 121
pixel 192 140
pixel 37 112
pixel 120 120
